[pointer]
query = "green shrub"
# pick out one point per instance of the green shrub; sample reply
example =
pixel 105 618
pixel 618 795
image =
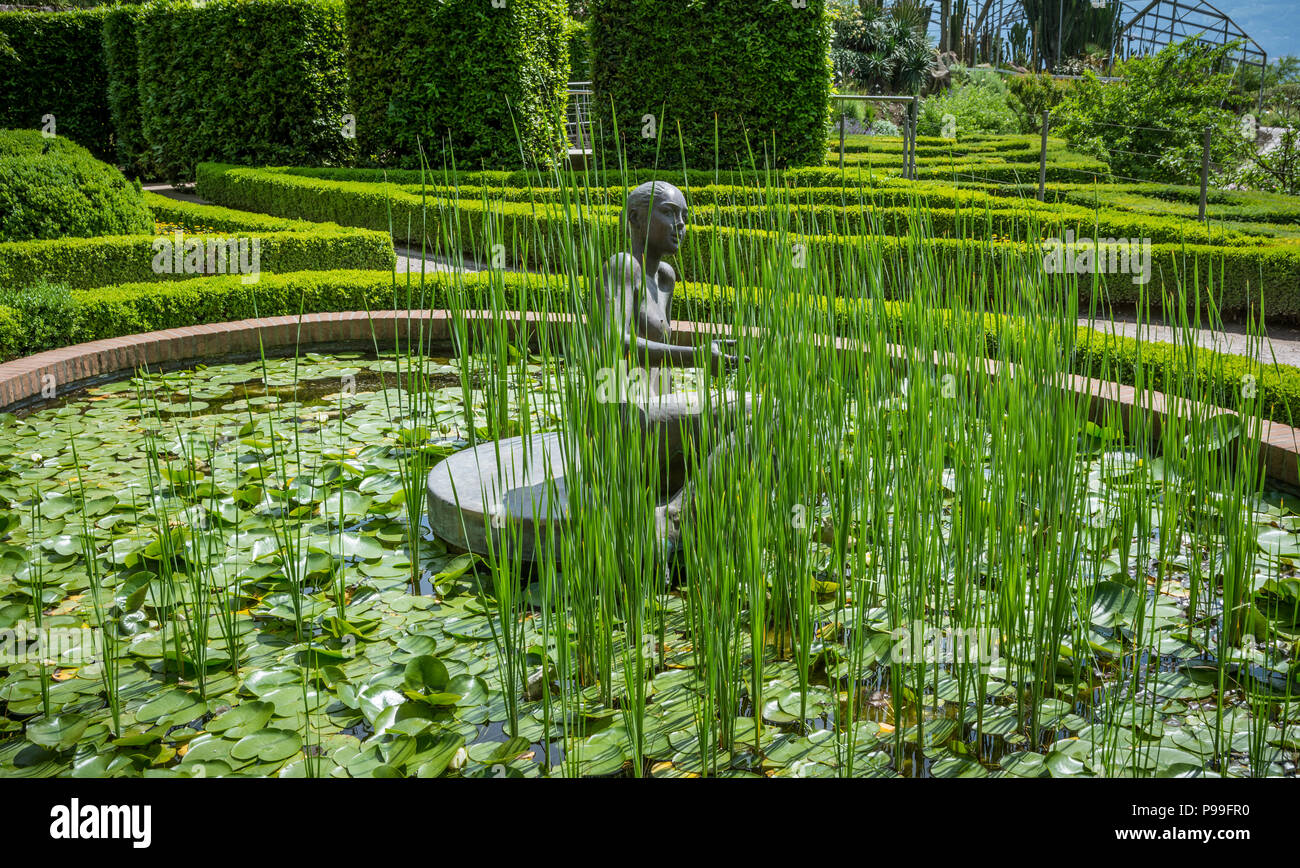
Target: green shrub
pixel 47 316
pixel 55 67
pixel 1150 124
pixel 980 104
pixel 1031 95
pixel 876 48
pixel 737 76
pixel 122 62
pixel 52 188
pixel 257 81
pixel 464 80
pixel 11 332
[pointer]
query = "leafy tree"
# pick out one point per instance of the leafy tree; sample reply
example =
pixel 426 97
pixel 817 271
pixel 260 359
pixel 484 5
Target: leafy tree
pixel 1150 124
pixel 1277 171
pixel 1253 79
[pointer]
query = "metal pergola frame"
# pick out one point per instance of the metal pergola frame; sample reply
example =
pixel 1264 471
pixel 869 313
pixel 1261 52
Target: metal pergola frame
pixel 1149 27
pixel 1163 22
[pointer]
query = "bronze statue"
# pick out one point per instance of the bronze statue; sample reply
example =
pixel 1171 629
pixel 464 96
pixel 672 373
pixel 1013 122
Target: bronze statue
pixel 638 302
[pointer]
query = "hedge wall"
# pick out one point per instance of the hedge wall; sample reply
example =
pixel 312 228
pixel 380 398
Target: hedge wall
pixel 57 67
pixel 286 245
pixel 757 71
pixel 135 308
pixel 463 79
pixel 258 81
pixel 121 61
pixel 81 263
pixel 1237 277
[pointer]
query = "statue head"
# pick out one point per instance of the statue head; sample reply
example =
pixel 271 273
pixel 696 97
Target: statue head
pixel 655 217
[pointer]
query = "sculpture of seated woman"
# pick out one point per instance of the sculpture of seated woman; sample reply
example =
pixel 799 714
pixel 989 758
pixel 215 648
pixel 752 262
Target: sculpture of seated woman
pixel 638 288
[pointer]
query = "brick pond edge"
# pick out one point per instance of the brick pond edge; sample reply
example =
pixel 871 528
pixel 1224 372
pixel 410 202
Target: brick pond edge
pixel 58 372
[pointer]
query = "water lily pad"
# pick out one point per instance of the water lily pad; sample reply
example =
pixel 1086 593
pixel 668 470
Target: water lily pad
pixel 58 733
pixel 243 719
pixel 267 745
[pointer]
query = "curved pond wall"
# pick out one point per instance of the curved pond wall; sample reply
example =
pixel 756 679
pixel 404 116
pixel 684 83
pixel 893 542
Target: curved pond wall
pixel 57 372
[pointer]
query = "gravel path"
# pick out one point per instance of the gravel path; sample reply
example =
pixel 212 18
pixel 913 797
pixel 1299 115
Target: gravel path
pixel 1280 344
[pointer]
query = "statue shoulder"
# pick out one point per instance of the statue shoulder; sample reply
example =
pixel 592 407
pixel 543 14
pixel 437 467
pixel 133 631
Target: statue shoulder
pixel 624 265
pixel 666 276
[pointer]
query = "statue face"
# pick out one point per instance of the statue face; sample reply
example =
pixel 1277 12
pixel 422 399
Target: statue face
pixel 665 224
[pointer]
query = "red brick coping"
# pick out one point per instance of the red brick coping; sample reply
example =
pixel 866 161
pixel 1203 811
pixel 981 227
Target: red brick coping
pixel 22 380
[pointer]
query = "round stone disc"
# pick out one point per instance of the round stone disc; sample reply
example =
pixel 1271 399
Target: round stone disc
pixel 506 491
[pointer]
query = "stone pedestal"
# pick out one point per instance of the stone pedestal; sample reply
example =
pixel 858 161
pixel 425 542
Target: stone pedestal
pixel 511 489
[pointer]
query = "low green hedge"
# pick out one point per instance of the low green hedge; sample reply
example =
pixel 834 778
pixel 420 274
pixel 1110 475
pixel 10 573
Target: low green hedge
pixel 1237 277
pixel 1160 202
pixel 194 217
pixel 972 221
pixel 82 263
pixel 144 307
pixel 134 308
pixel 285 245
pixel 525 179
pixel 889 158
pixel 933 146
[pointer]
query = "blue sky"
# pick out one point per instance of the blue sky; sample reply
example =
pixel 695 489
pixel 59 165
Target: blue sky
pixel 1274 24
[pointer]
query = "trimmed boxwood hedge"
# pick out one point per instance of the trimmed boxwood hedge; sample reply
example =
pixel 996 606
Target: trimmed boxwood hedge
pixel 257 81
pixel 466 80
pixel 736 75
pixel 57 68
pixel 1237 277
pixel 81 263
pixel 194 217
pixel 53 188
pixel 134 308
pixel 286 245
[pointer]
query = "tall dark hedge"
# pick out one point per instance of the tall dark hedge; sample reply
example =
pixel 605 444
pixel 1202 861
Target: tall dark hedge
pixel 760 66
pixel 55 66
pixel 463 78
pixel 262 82
pixel 121 60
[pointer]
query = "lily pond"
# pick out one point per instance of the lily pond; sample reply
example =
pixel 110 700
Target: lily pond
pixel 224 571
